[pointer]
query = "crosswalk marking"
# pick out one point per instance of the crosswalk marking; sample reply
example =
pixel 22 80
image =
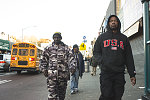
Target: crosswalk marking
pixel 4 81
pixel 10 73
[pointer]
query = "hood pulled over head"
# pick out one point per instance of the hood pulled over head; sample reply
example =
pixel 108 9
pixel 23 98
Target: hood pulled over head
pixel 108 26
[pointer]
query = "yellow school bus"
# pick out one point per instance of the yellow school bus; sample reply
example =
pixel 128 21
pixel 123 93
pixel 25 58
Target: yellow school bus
pixel 25 57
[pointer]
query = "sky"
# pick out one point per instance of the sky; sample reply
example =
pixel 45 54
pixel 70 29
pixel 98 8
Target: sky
pixel 41 18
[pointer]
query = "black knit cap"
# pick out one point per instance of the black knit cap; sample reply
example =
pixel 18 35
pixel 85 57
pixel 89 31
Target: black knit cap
pixel 57 33
pixel 75 46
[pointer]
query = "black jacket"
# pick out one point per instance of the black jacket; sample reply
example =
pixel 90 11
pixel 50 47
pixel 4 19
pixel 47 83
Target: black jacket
pixel 81 63
pixel 114 52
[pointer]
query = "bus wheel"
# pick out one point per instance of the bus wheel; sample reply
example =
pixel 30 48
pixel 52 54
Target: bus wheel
pixel 19 72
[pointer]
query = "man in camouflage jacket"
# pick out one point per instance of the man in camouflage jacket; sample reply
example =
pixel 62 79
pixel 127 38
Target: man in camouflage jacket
pixel 56 63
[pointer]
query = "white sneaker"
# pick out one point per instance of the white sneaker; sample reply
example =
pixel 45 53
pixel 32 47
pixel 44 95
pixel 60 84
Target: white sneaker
pixel 72 92
pixel 76 89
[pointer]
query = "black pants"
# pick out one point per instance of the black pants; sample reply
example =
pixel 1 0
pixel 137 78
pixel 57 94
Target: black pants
pixel 112 86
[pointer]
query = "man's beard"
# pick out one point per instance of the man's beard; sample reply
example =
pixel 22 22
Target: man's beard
pixel 114 28
pixel 57 42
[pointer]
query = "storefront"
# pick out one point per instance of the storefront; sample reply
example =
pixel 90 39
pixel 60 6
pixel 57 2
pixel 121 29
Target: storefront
pixel 5 46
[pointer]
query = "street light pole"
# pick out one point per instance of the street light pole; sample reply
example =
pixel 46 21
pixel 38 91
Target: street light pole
pixel 22 34
pixel 24 29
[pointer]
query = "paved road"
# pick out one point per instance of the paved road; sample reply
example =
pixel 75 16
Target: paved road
pixel 29 86
pixel 23 87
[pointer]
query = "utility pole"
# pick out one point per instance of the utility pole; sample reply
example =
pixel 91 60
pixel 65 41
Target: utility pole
pixel 146 35
pixel 23 31
pixel 22 34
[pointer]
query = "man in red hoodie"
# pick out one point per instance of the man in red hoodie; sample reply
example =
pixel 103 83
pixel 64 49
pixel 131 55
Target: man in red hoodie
pixel 113 51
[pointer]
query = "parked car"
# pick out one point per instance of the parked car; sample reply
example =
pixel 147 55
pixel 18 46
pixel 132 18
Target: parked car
pixel 5 60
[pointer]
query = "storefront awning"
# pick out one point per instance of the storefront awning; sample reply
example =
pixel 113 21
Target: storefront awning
pixel 132 30
pixel 4 45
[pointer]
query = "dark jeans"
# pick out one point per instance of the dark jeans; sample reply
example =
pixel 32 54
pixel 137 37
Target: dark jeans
pixel 112 86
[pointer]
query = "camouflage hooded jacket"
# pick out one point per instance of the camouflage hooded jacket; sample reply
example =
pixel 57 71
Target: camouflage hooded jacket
pixel 58 60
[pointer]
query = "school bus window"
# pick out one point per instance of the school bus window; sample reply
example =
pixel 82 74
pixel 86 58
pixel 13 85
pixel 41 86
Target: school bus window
pixel 23 45
pixel 27 45
pixel 23 52
pixel 32 52
pixel 14 52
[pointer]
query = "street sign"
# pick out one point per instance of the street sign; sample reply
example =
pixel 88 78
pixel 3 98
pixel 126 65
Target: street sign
pixel 84 37
pixel 84 41
pixel 82 46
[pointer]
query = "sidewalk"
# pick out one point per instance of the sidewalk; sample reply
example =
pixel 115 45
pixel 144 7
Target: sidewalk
pixel 89 88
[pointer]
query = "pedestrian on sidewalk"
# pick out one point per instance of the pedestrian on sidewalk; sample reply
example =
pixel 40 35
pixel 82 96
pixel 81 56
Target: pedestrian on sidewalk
pixel 113 51
pixel 74 79
pixel 57 61
pixel 94 66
